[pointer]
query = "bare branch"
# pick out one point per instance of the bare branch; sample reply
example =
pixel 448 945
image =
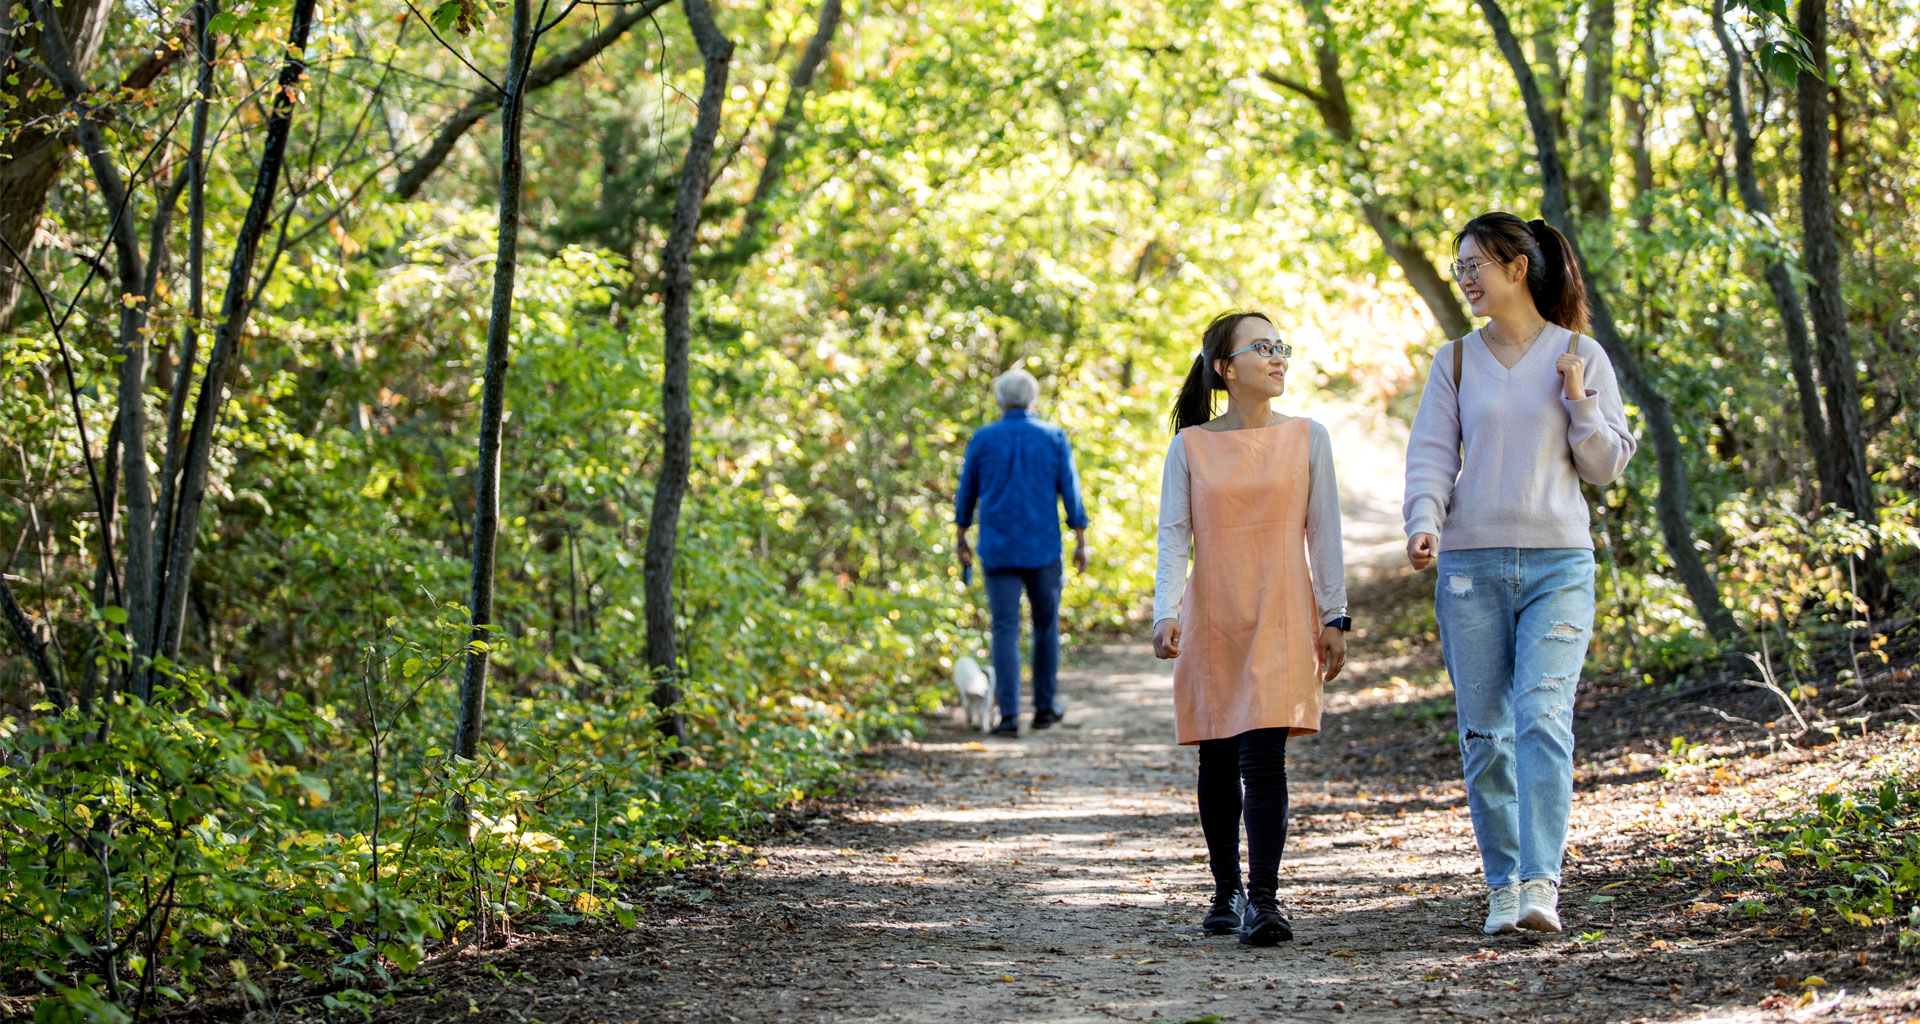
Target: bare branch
pixel 1293 85
pixel 36 648
pixel 101 505
pixel 483 103
pixel 457 55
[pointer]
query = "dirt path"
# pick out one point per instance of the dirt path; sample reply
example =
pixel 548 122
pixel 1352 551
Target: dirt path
pixel 1060 877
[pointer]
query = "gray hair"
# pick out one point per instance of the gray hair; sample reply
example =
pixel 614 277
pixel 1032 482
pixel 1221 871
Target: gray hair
pixel 1016 389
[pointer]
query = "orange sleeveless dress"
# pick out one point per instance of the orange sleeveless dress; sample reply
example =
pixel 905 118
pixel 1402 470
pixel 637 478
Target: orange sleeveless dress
pixel 1247 622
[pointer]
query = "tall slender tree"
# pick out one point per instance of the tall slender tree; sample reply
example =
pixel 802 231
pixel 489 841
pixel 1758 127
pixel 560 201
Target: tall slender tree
pixel 493 388
pixel 1846 440
pixel 130 273
pixel 1672 497
pixel 1593 156
pixel 1786 296
pixel 175 549
pixel 676 408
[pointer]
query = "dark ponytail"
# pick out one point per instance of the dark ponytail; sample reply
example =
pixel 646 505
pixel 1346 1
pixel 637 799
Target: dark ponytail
pixel 1194 406
pixel 1553 275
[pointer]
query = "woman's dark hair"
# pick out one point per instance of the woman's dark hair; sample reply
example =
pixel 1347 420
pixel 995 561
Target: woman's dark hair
pixel 1195 404
pixel 1553 276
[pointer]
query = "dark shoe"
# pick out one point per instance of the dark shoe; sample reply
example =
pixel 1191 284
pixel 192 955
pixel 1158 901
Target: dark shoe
pixel 1045 718
pixel 1223 918
pixel 1009 726
pixel 1261 924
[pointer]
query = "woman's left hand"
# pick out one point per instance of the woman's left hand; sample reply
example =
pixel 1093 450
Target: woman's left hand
pixel 1331 652
pixel 1573 370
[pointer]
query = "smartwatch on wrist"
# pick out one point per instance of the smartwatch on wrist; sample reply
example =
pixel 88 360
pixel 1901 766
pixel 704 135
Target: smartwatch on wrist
pixel 1344 623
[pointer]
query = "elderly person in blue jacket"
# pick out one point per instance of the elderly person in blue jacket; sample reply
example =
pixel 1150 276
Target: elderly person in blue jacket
pixel 1017 473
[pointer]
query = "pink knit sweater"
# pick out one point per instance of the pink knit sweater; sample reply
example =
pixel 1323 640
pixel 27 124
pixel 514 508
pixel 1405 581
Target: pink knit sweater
pixel 1498 462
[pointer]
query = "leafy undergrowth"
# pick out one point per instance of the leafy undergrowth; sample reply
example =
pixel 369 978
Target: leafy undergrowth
pixel 209 843
pixel 1853 855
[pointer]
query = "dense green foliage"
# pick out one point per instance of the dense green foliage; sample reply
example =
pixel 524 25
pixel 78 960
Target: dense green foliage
pixel 1074 188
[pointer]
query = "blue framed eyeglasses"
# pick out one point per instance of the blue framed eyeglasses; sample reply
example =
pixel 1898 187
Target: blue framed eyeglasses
pixel 1266 349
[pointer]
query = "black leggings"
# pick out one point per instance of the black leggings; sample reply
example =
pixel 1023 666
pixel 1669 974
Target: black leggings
pixel 1258 759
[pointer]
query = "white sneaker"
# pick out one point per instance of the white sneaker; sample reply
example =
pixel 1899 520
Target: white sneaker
pixel 1503 910
pixel 1539 905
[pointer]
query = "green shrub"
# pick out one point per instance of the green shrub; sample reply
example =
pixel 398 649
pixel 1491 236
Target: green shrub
pixel 1853 852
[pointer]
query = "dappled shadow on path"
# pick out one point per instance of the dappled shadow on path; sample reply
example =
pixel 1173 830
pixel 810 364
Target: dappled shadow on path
pixel 1060 877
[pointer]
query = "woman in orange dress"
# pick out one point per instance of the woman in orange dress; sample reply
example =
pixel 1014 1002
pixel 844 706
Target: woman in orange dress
pixel 1260 625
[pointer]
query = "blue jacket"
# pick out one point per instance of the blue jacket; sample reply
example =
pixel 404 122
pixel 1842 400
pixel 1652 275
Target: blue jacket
pixel 1017 470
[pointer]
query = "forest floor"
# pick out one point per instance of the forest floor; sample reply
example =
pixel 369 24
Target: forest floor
pixel 1060 877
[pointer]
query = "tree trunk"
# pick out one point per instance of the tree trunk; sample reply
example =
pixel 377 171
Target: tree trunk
pixel 493 391
pixel 676 414
pixel 1546 53
pixel 1846 442
pixel 182 385
pixel 1786 297
pixel 31 160
pixel 1672 498
pixel 798 84
pixel 1336 112
pixel 1425 278
pixel 1638 107
pixel 1592 186
pixel 235 305
pixel 141 570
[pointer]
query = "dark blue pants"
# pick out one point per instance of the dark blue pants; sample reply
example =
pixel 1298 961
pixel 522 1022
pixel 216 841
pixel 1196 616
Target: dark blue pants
pixel 1042 587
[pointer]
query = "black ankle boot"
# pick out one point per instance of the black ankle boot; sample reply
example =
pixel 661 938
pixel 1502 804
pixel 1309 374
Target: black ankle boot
pixel 1223 918
pixel 1261 924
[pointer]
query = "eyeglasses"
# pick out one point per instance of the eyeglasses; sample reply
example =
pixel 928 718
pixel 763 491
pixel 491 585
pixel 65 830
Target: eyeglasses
pixel 1267 350
pixel 1468 272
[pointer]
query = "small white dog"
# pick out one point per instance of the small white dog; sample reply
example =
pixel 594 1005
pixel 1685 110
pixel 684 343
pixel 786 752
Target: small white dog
pixel 975 685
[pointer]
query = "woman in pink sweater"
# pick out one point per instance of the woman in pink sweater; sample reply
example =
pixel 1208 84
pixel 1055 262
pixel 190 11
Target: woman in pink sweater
pixel 1515 415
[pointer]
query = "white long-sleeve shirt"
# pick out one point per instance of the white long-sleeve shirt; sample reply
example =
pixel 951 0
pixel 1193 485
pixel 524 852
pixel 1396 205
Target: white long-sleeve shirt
pixel 1325 558
pixel 1497 463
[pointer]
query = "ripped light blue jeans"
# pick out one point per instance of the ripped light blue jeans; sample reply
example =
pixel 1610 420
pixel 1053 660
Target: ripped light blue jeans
pixel 1514 625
